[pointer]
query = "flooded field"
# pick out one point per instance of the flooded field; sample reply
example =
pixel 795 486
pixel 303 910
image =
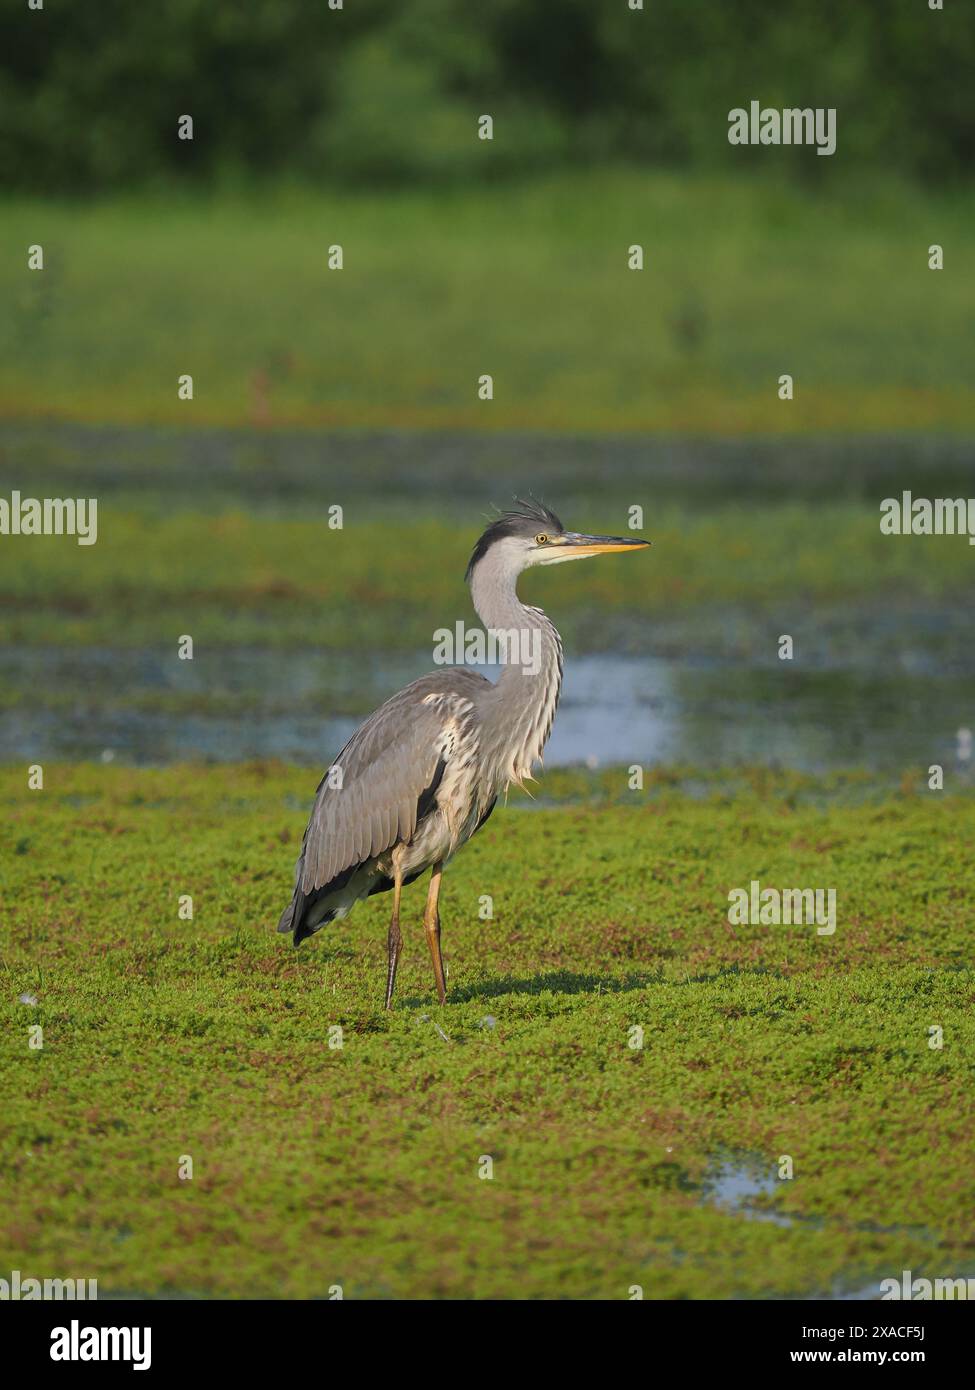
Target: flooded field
pixel 283 470
pixel 879 688
pixel 612 902
pixel 300 631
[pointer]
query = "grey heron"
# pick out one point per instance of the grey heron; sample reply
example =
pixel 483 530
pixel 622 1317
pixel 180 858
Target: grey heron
pixel 423 773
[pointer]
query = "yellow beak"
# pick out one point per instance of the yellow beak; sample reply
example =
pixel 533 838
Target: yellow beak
pixel 599 545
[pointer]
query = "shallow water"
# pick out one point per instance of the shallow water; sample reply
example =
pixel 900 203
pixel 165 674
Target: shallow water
pixel 736 1182
pixel 733 1187
pixel 872 687
pixel 284 470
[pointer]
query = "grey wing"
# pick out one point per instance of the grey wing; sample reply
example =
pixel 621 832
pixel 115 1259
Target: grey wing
pixel 375 791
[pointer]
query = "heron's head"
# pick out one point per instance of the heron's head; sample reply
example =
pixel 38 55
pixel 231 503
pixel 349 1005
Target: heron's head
pixel 531 534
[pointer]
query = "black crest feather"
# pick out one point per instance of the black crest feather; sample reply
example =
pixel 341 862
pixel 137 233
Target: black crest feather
pixel 524 519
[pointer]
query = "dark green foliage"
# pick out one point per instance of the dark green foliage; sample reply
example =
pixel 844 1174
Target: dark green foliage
pixel 381 92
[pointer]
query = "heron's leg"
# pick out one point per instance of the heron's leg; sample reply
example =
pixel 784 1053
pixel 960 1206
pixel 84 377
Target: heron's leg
pixel 431 922
pixel 394 940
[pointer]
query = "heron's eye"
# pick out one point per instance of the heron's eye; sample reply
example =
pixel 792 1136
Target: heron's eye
pixel 542 539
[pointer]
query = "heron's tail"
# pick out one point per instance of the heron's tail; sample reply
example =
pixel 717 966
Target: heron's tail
pixel 295 918
pixel 288 915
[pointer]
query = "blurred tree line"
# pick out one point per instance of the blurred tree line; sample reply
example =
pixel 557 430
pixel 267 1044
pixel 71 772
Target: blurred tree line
pixel 389 90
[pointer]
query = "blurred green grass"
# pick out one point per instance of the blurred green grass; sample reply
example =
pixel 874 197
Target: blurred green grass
pixel 243 578
pixel 744 280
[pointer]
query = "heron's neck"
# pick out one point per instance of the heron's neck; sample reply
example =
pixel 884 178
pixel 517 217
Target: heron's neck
pixel 520 714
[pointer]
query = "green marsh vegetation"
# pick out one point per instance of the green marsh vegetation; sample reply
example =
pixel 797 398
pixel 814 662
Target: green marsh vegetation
pixel 316 1165
pixel 162 1037
pixel 286 581
pixel 744 279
